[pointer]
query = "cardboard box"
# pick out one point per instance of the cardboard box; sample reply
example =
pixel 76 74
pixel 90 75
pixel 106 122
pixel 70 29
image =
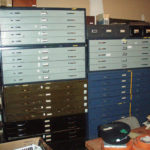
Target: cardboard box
pixel 6 3
pixel 128 9
pixel 24 3
pixel 22 143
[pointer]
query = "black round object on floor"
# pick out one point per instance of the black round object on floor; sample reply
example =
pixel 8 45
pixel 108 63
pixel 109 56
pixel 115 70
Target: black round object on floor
pixel 114 133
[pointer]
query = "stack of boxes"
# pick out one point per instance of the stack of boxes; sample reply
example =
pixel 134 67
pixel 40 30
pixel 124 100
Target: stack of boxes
pixel 44 74
pixel 113 84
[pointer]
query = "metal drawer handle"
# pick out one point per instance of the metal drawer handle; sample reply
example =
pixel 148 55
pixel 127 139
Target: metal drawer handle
pixel 17 13
pixel 18 20
pixel 102 55
pixel 46 77
pixel 124 60
pixel 145 53
pixel 46 64
pixel 145 41
pixel 44 52
pixel 19 66
pixel 72 56
pixel 44 13
pixel 45 58
pixel 71 62
pixel 45 71
pixel 70 13
pixel 145 58
pixel 102 48
pixel 145 47
pixel 71 26
pixel 102 61
pixel 102 67
pixel 19 59
pixel 71 50
pixel 44 27
pixel 124 48
pixel 72 69
pixel 20 72
pixel 44 41
pixel 44 20
pixel 70 19
pixel 71 39
pixel 18 27
pixel 102 42
pixel 44 33
pixel 72 75
pixel 144 64
pixel 19 52
pixel 71 32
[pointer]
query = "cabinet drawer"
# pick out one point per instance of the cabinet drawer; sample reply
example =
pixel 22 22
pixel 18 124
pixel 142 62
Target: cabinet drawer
pixel 48 20
pixel 27 79
pixel 138 41
pixel 48 71
pixel 35 13
pixel 41 27
pixel 107 42
pixel 46 40
pixel 44 52
pixel 41 34
pixel 44 65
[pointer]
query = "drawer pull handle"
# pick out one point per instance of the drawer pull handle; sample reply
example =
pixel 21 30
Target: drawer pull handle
pixel 102 49
pixel 102 42
pixel 45 58
pixel 72 69
pixel 71 50
pixel 145 47
pixel 19 52
pixel 124 48
pixel 102 55
pixel 44 13
pixel 46 77
pixel 17 27
pixel 144 41
pixel 70 13
pixel 144 64
pixel 44 20
pixel 43 33
pixel 72 56
pixel 19 66
pixel 44 41
pixel 72 75
pixel 44 27
pixel 44 52
pixel 71 32
pixel 18 20
pixel 145 53
pixel 102 67
pixel 17 13
pixel 45 64
pixel 71 26
pixel 145 58
pixel 102 61
pixel 71 62
pixel 70 19
pixel 19 59
pixel 45 71
pixel 71 39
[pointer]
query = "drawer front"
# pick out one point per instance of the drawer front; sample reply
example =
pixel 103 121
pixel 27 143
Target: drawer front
pixel 41 34
pixel 34 13
pixel 41 27
pixel 44 52
pixel 119 60
pixel 27 79
pixel 46 40
pixel 107 48
pixel 107 42
pixel 44 65
pixel 139 42
pixel 48 71
pixel 47 20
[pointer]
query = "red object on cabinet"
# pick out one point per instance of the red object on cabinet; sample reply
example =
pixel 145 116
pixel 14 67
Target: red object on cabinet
pixel 24 3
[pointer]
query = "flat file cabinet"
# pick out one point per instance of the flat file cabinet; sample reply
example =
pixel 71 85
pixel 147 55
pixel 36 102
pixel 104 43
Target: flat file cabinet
pixel 21 26
pixel 118 54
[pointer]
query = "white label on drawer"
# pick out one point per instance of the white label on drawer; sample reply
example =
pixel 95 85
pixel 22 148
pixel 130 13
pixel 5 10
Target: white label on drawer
pixel 44 27
pixel 108 54
pixel 122 31
pixel 48 140
pixel 85 98
pixel 45 64
pixel 123 86
pixel 123 92
pixel 49 114
pixel 48 107
pixel 47 125
pixel 48 130
pixel 123 98
pixel 44 13
pixel 46 77
pixel 48 101
pixel 124 75
pixel 129 46
pixel 48 136
pixel 124 81
pixel 85 104
pixel 94 31
pixel 85 91
pixel 47 121
pixel 86 110
pixel 44 19
pixel 47 87
pixel 48 94
pixel 108 30
pixel 85 85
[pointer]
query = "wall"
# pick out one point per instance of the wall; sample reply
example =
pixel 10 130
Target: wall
pixel 128 9
pixel 65 3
